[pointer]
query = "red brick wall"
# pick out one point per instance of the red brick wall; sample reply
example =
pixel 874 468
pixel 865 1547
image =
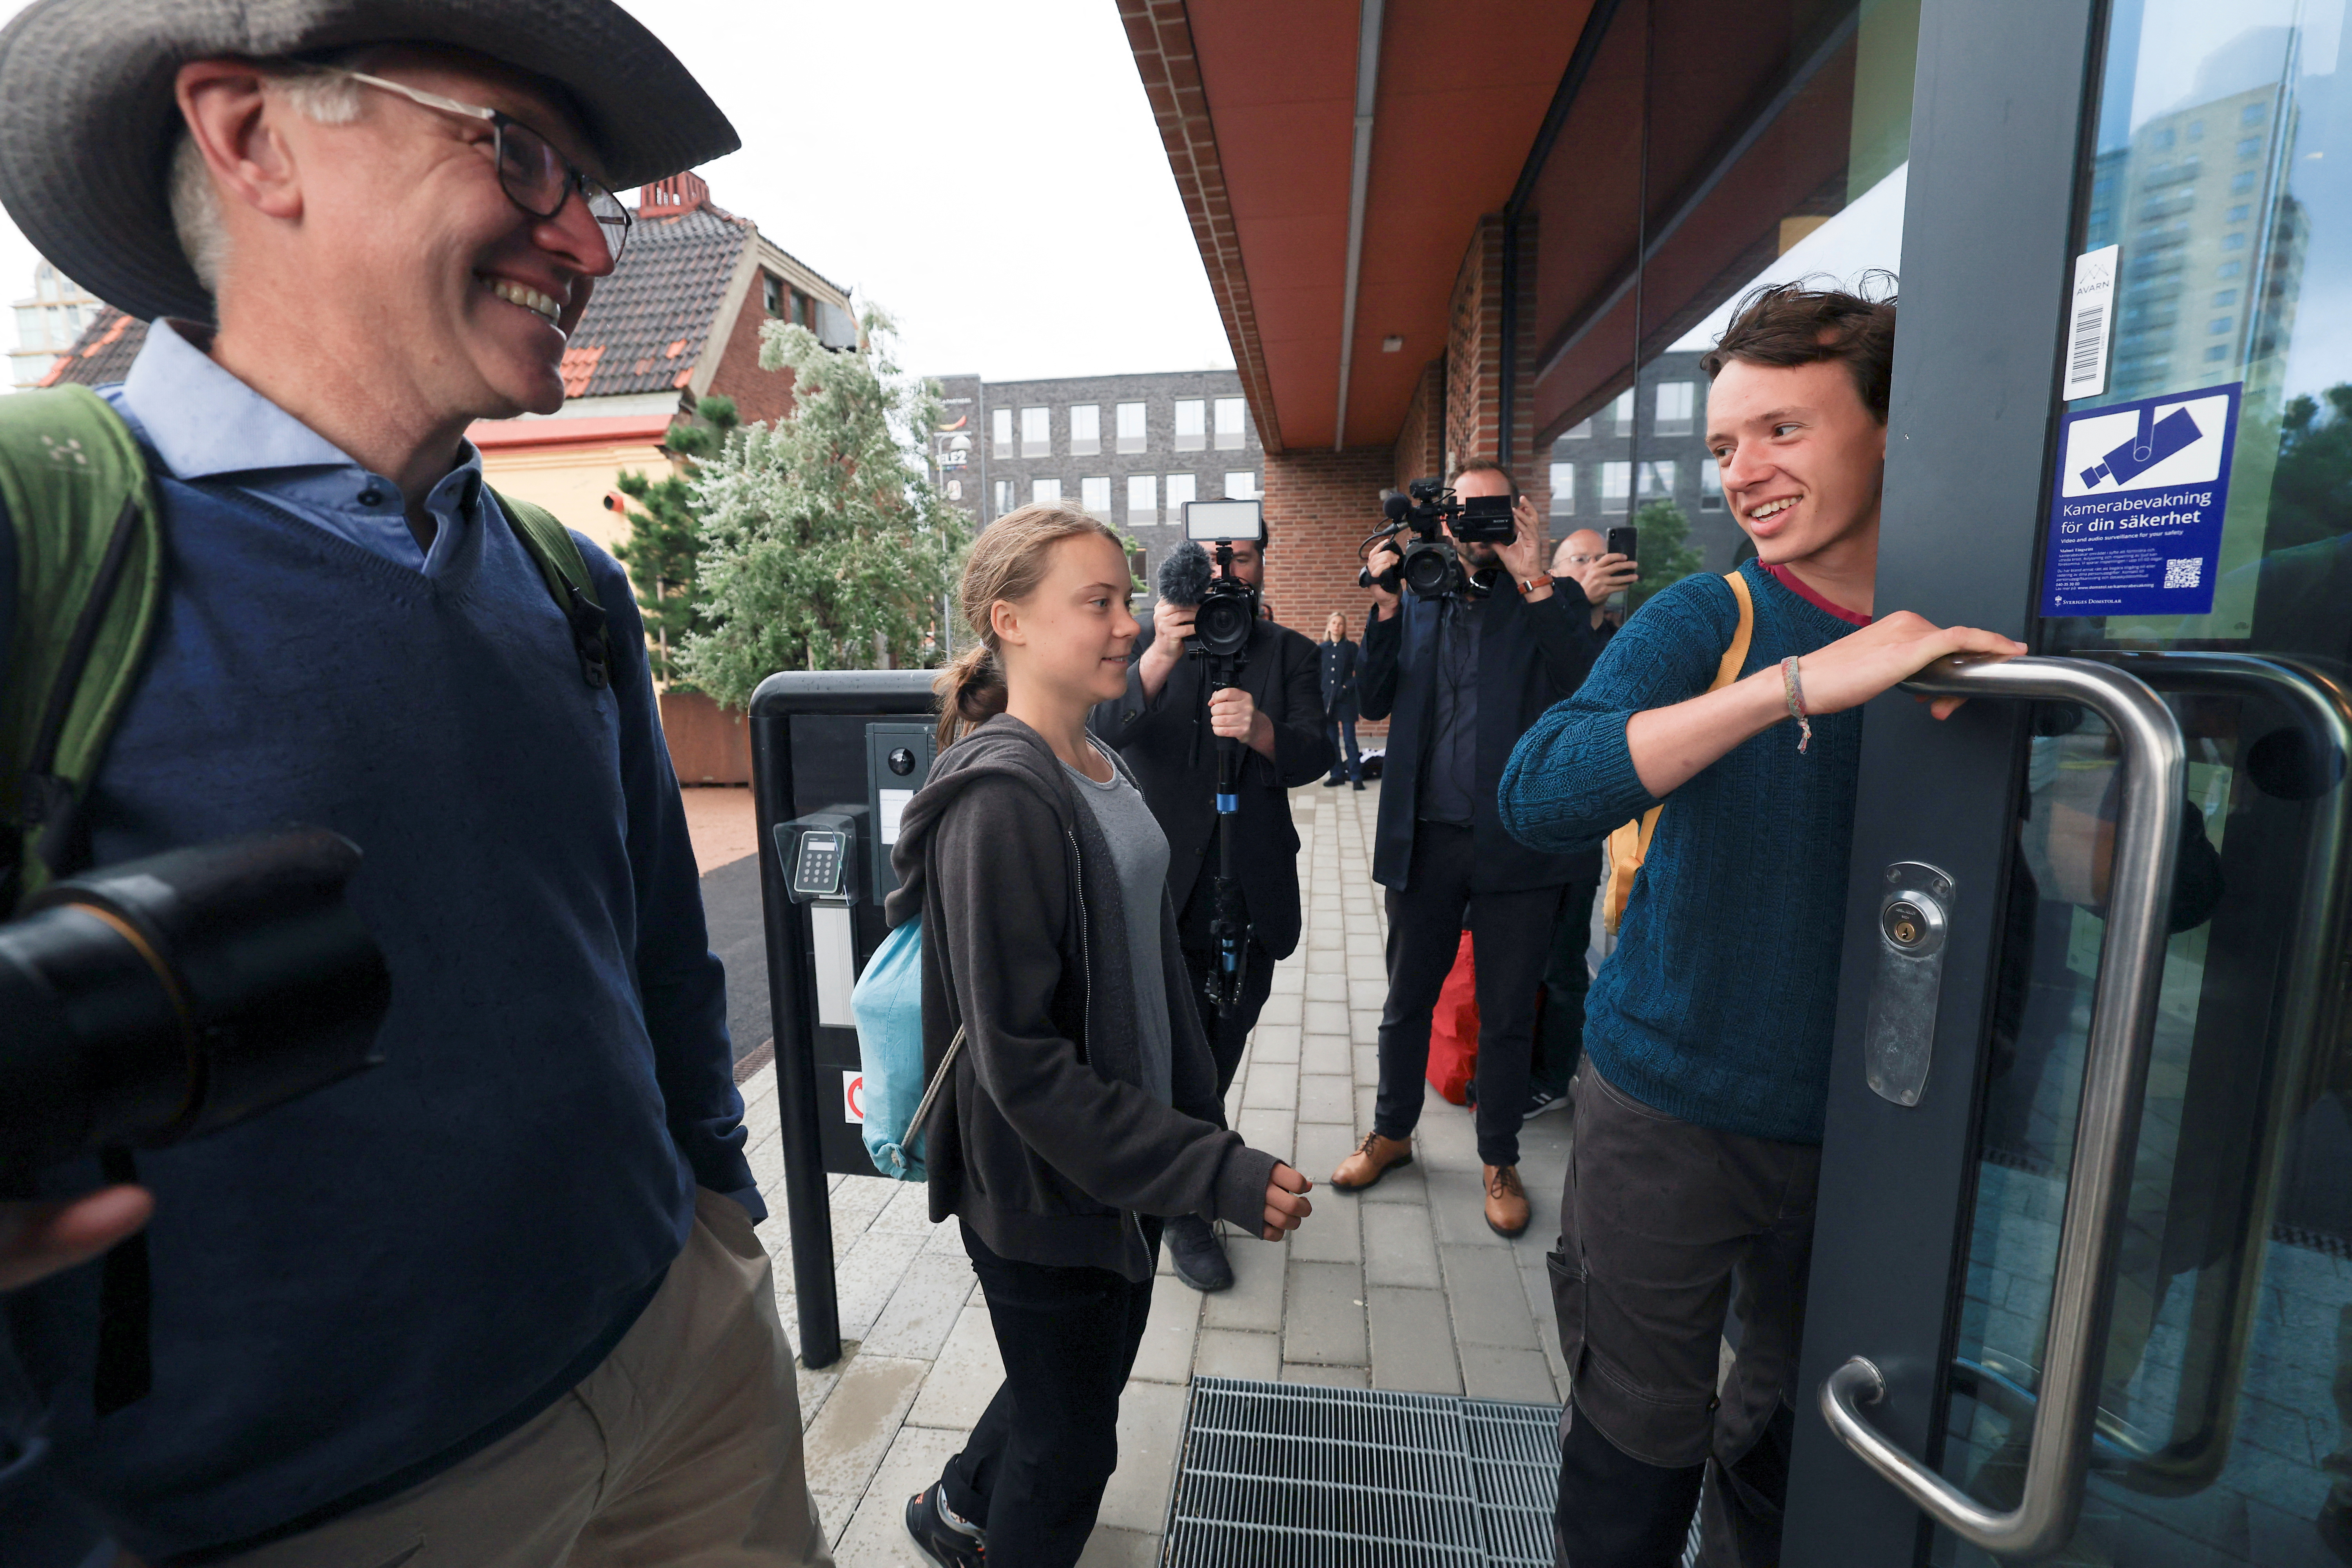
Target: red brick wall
pixel 760 395
pixel 1421 444
pixel 1474 360
pixel 1318 506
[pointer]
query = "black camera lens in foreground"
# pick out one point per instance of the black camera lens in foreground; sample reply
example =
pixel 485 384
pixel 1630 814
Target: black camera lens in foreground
pixel 1225 620
pixel 170 996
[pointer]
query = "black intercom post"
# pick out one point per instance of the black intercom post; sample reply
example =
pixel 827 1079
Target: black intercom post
pixel 836 755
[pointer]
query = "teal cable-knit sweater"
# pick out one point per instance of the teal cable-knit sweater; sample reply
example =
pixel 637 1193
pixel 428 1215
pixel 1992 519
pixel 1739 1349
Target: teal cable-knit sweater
pixel 1716 1006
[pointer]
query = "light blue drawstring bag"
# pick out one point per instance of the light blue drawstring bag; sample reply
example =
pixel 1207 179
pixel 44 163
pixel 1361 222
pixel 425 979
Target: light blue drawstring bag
pixel 888 1004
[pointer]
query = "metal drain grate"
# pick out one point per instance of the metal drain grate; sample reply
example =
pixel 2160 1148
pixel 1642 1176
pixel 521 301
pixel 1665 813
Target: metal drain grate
pixel 1289 1474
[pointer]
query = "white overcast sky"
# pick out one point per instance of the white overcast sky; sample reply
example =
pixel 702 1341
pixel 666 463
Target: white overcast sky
pixel 989 174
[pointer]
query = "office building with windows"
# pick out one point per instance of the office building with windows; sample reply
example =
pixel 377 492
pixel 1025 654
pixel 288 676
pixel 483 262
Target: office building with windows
pixel 1647 443
pixel 1130 449
pixel 47 322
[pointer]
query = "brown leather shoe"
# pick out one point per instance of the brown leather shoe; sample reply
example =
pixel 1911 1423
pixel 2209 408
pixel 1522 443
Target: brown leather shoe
pixel 1506 1200
pixel 1374 1157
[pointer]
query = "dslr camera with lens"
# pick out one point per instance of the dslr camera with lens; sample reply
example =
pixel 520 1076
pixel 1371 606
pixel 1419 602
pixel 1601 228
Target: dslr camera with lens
pixel 1228 606
pixel 1432 567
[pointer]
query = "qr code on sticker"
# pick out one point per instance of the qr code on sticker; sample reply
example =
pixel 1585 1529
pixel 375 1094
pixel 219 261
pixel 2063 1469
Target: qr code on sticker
pixel 2187 573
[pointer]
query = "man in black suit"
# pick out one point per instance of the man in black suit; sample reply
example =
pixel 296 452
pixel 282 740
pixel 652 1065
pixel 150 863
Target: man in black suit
pixel 1339 666
pixel 1167 727
pixel 1461 679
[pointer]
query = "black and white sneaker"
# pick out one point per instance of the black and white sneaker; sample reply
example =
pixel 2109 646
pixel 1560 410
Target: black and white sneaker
pixel 1540 1100
pixel 947 1541
pixel 1197 1256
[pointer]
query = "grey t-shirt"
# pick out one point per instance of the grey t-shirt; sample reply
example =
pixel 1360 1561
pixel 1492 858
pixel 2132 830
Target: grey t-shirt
pixel 1139 850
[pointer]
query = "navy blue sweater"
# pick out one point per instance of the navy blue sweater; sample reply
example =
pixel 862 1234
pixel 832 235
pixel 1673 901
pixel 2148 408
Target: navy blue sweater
pixel 1716 1004
pixel 354 1290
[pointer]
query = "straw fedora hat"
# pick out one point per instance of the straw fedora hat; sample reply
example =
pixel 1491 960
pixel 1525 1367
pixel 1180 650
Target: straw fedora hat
pixel 88 119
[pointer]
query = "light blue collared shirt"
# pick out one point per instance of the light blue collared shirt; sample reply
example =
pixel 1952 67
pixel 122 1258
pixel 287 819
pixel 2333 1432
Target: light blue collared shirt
pixel 206 424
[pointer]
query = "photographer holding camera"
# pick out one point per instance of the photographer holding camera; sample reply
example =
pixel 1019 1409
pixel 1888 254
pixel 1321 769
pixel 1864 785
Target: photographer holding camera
pixel 497 1287
pixel 1168 726
pixel 1464 670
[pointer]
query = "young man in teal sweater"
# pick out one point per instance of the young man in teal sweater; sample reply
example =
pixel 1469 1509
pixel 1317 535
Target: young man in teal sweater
pixel 1699 1110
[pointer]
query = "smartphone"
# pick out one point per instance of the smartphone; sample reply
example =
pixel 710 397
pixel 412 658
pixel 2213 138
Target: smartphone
pixel 1621 540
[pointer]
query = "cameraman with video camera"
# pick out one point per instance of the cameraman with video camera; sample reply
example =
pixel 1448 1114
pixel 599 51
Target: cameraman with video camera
pixel 1468 642
pixel 1170 727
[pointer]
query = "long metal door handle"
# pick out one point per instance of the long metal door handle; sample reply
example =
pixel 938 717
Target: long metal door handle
pixel 2106 1134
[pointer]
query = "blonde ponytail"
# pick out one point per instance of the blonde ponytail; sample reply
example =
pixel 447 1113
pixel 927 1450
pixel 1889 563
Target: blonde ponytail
pixel 1007 563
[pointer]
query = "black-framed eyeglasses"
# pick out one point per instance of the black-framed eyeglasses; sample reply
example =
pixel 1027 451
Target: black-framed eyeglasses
pixel 534 176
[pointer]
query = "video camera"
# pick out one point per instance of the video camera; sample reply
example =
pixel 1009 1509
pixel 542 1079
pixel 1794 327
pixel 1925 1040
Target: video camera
pixel 1228 606
pixel 1432 567
pixel 170 996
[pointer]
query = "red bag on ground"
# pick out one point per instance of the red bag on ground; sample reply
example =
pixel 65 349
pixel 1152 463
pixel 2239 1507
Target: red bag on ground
pixel 1454 1031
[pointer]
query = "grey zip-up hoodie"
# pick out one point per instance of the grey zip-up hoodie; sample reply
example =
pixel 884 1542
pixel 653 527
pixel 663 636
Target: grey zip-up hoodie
pixel 1043 1140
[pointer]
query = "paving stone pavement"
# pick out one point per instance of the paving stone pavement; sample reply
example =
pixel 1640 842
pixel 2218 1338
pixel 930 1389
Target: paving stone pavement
pixel 1403 1287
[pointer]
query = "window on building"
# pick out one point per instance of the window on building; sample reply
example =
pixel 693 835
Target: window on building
pixel 1045 492
pixel 1710 487
pixel 1000 425
pixel 2218 352
pixel 1229 423
pixel 1191 420
pixel 1130 426
pixel 772 293
pixel 2233 241
pixel 2241 183
pixel 1179 491
pixel 1142 500
pixel 2162 140
pixel 2250 146
pixel 1621 413
pixel 1008 496
pixel 2197 131
pixel 1563 489
pixel 2253 114
pixel 1657 482
pixel 1241 485
pixel 2237 214
pixel 1580 431
pixel 2224 297
pixel 1036 432
pixel 1674 401
pixel 1094 494
pixel 1086 429
pixel 2229 269
pixel 2218 325
pixel 1616 484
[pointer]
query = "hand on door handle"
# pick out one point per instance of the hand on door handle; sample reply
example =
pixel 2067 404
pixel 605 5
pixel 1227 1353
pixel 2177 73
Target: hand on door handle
pixel 1859 666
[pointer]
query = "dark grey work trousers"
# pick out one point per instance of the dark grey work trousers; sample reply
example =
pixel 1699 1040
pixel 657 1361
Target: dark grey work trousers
pixel 1510 937
pixel 1662 1225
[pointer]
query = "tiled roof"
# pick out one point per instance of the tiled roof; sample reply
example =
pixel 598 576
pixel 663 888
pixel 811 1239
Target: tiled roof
pixel 643 331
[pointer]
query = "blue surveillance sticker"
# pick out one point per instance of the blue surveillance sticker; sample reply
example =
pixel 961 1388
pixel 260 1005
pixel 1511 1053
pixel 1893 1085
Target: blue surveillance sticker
pixel 2136 528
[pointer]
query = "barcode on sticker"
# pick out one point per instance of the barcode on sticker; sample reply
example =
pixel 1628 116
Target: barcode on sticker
pixel 2090 336
pixel 2087 341
pixel 2184 572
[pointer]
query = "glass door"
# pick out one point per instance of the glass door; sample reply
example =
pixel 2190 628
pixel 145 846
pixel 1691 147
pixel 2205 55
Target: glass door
pixel 2085 1295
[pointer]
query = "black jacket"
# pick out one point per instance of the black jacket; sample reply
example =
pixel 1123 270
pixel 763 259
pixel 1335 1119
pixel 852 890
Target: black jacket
pixel 1043 1141
pixel 1340 662
pixel 1529 657
pixel 1167 742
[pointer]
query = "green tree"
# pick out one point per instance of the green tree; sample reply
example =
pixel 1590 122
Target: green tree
pixel 825 546
pixel 1662 549
pixel 663 550
pixel 2311 490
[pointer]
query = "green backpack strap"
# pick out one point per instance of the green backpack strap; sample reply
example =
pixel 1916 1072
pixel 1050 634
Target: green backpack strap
pixel 560 561
pixel 90 589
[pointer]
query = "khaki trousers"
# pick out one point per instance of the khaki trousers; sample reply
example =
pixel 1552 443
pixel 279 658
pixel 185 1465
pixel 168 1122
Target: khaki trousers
pixel 682 1447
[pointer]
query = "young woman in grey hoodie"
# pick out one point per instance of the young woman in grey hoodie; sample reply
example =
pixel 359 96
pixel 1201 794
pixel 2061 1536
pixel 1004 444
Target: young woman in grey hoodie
pixel 1082 1111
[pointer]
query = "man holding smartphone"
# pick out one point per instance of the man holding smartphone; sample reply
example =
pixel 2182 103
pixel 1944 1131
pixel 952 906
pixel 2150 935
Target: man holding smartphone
pixel 1464 676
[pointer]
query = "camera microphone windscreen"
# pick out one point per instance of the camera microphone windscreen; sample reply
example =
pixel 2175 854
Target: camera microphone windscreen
pixel 1185 574
pixel 1395 504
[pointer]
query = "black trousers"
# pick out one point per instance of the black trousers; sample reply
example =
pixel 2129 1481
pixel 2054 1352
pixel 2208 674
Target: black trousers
pixel 1343 737
pixel 1663 1227
pixel 1032 1473
pixel 1559 1042
pixel 1512 936
pixel 1228 1035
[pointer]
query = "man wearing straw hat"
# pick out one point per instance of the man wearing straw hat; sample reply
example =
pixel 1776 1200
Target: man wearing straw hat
pixel 498 1301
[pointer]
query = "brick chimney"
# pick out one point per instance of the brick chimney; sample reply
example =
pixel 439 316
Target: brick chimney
pixel 671 197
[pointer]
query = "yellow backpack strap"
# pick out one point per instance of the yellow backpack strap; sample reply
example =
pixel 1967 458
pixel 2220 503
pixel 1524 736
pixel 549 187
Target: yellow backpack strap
pixel 1629 845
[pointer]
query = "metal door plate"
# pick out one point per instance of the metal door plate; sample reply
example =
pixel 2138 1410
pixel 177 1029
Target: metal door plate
pixel 1914 926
